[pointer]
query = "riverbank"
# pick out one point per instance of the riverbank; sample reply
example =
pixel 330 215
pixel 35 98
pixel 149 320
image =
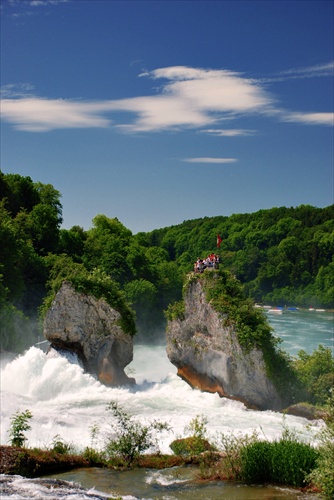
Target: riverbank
pixel 35 462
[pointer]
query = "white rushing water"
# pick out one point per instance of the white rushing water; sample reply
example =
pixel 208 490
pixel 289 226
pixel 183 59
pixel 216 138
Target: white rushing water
pixel 66 402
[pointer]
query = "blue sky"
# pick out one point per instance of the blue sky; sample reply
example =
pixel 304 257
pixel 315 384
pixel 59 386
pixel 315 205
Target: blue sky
pixel 156 112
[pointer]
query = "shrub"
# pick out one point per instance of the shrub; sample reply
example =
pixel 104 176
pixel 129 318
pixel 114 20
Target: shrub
pixel 60 446
pixel 93 456
pixel 175 311
pixel 131 437
pixel 190 446
pixel 322 476
pixel 255 462
pixel 282 462
pixel 19 424
pixel 196 443
pixel 316 372
pixel 232 446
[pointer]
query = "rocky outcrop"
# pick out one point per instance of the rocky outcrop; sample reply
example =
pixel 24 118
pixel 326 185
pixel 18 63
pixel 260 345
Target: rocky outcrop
pixel 209 357
pixel 89 327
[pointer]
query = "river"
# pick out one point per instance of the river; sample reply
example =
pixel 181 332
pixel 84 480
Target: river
pixel 66 402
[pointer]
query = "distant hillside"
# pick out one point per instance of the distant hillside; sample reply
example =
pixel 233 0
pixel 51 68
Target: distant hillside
pixel 282 255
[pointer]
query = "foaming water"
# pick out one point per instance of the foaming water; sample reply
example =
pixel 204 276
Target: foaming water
pixel 67 402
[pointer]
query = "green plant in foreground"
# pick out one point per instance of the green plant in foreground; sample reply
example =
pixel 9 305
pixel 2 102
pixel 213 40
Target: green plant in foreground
pixel 281 462
pixel 323 476
pixel 229 467
pixel 197 442
pixel 94 456
pixel 60 446
pixel 130 437
pixel 19 425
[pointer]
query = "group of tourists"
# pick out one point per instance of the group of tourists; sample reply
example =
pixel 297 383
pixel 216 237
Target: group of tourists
pixel 211 262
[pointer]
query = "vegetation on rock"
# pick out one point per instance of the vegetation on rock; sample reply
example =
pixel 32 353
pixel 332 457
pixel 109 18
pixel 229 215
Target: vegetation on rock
pixel 226 296
pixel 96 283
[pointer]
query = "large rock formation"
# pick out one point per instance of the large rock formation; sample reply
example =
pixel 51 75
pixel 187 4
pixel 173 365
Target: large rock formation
pixel 209 357
pixel 88 327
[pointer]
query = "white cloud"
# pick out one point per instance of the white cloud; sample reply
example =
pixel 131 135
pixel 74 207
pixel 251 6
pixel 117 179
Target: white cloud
pixel 233 132
pixel 26 8
pixel 210 160
pixel 35 3
pixel 16 90
pixel 326 69
pixel 310 118
pixel 42 115
pixel 38 3
pixel 190 97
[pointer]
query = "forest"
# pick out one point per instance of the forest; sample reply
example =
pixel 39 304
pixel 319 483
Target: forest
pixel 282 256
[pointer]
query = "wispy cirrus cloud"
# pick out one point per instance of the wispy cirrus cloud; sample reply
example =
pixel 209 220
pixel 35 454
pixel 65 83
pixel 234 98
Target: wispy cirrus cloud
pixel 232 132
pixel 209 160
pixel 310 118
pixel 35 3
pixel 19 9
pixel 187 98
pixel 317 70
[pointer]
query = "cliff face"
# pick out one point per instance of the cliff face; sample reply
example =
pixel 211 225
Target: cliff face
pixel 88 327
pixel 209 357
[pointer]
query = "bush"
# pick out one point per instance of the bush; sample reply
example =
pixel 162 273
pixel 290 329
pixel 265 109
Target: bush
pixel 316 372
pixel 190 446
pixel 196 443
pixel 93 456
pixel 322 476
pixel 60 446
pixel 255 462
pixel 232 446
pixel 131 437
pixel 281 462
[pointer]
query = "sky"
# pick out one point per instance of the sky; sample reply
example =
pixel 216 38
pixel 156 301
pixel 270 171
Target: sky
pixel 157 112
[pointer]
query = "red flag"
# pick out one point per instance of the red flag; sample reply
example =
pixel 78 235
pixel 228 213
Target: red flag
pixel 219 240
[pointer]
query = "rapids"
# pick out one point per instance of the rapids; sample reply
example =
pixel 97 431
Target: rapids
pixel 67 402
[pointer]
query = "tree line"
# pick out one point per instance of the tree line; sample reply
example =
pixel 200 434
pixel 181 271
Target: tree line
pixel 281 256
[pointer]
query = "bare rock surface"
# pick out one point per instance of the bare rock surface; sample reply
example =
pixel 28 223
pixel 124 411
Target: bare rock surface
pixel 89 327
pixel 209 357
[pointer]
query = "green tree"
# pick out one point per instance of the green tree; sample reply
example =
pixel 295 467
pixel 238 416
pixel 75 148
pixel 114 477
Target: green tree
pixel 316 372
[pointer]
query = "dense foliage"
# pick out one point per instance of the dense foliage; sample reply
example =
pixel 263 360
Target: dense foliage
pixel 322 476
pixel 285 461
pixel 316 374
pixel 282 255
pixel 279 256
